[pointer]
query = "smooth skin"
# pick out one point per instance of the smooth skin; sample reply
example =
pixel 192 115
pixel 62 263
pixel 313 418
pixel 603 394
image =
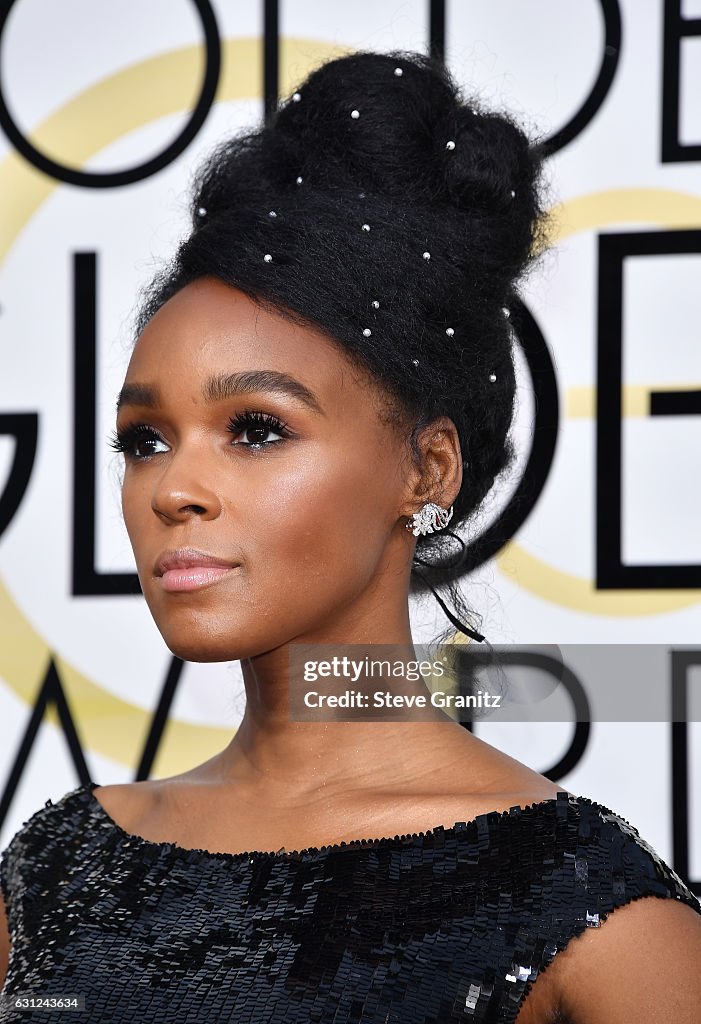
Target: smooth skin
pixel 316 523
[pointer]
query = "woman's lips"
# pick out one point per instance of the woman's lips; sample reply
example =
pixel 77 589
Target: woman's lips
pixel 194 577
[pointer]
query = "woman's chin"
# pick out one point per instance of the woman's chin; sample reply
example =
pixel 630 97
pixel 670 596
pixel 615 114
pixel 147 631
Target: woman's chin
pixel 203 651
pixel 188 646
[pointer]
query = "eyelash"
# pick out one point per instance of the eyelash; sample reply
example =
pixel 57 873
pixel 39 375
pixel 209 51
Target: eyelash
pixel 125 439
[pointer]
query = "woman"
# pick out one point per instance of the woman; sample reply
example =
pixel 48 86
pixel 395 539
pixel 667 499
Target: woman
pixel 327 361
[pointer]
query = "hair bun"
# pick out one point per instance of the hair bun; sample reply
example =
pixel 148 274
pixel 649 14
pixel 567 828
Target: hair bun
pixel 412 137
pixel 376 129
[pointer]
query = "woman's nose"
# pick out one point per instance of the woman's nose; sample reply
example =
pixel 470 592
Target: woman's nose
pixel 185 486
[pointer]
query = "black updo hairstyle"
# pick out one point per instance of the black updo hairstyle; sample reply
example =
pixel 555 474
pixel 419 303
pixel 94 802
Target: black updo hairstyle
pixel 387 141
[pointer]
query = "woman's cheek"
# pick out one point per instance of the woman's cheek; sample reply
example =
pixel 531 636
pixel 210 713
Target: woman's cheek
pixel 324 498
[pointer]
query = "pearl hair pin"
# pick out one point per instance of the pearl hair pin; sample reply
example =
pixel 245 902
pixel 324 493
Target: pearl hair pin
pixel 296 97
pixel 300 179
pixel 366 227
pixel 492 377
pixel 427 255
pixel 506 311
pixel 449 331
pixel 375 304
pixel 268 258
pixel 355 114
pixel 367 332
pixel 272 214
pixel 398 72
pixel 202 211
pixel 450 144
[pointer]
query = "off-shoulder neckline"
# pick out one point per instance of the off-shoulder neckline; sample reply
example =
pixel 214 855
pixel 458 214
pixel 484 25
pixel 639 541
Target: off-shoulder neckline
pixel 562 798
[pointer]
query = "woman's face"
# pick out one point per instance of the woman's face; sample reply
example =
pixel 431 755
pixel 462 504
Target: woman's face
pixel 305 503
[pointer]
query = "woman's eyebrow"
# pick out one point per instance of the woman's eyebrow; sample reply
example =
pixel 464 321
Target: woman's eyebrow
pixel 228 385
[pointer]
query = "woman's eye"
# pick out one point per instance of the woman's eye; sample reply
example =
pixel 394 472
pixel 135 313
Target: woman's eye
pixel 255 435
pixel 254 428
pixel 133 438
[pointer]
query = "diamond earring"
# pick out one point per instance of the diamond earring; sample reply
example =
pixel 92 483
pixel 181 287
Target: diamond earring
pixel 429 518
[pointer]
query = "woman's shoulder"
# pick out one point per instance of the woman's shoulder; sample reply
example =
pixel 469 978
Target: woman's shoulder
pixel 49 812
pixel 544 832
pixel 612 856
pixel 618 968
pixel 49 825
pixel 576 881
pixel 598 857
pixel 617 914
pixel 36 856
pixel 58 847
pixel 62 828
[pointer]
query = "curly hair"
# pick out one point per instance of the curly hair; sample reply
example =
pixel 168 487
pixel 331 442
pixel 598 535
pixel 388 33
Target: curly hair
pixel 382 207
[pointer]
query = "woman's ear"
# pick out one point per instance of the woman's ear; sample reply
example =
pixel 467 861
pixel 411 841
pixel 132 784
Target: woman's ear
pixel 438 466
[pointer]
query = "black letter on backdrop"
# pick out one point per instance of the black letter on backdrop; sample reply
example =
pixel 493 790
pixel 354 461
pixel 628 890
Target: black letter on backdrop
pixel 115 179
pixel 24 427
pixel 682 661
pixel 159 721
pixel 540 458
pixel 50 692
pixel 676 28
pixel 86 581
pixel 610 571
pixel 564 674
pixel 436 29
pixel 271 58
pixel 599 91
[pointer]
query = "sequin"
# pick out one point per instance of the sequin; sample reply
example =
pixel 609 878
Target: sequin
pixel 452 924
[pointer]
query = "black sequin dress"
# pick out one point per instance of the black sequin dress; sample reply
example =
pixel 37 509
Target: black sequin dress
pixel 452 924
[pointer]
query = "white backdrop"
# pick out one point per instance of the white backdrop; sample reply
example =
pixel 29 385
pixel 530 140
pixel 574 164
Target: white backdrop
pixel 104 87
